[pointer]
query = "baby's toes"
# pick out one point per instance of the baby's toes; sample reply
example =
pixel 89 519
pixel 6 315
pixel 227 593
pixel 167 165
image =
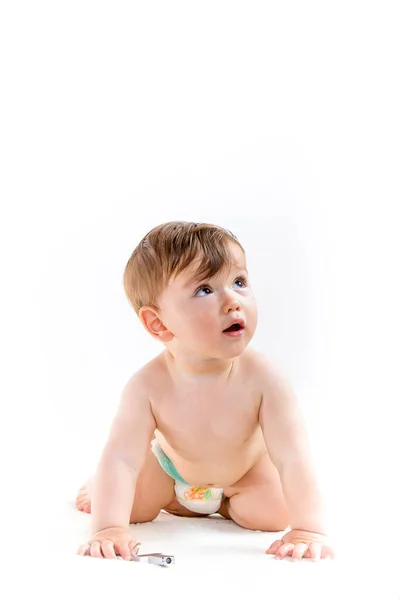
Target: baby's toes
pixel 84 506
pixel 82 500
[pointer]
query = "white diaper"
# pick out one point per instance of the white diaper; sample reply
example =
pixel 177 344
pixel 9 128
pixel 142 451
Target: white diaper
pixel 206 501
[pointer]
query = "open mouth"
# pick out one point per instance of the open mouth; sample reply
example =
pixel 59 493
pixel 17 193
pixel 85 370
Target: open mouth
pixel 234 327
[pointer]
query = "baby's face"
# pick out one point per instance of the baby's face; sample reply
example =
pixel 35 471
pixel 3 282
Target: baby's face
pixel 197 312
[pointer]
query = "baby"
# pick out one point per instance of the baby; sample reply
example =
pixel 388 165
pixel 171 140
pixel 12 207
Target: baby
pixel 208 426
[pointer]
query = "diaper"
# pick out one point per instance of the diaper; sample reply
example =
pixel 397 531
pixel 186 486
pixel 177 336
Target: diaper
pixel 206 501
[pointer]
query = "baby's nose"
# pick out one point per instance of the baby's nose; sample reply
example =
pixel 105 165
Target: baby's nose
pixel 232 302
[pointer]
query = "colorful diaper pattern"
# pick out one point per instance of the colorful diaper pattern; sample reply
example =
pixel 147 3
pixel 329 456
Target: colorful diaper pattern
pixel 197 493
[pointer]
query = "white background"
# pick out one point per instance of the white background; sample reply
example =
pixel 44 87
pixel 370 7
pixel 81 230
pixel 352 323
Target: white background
pixel 279 122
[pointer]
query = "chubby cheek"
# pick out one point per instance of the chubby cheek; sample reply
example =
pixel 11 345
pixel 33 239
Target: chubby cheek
pixel 202 327
pixel 189 323
pixel 252 318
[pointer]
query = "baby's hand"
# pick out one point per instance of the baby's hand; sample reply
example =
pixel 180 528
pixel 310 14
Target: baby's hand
pixel 299 544
pixel 107 542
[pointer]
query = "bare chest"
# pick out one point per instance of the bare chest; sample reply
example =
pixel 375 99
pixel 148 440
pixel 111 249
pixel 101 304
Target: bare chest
pixel 207 417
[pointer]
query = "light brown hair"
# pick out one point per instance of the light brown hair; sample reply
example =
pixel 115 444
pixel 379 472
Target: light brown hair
pixel 170 248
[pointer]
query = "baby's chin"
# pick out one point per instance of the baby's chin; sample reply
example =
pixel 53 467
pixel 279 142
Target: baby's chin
pixel 226 349
pixel 223 353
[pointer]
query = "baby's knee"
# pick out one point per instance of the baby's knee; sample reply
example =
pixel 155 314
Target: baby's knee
pixel 142 516
pixel 251 517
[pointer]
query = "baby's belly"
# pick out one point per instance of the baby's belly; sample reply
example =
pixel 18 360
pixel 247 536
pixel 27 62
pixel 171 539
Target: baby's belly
pixel 220 468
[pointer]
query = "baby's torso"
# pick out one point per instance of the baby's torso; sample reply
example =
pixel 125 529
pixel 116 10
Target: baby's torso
pixel 210 431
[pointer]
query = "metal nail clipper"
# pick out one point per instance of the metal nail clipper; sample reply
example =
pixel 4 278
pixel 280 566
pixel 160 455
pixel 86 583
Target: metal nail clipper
pixel 157 558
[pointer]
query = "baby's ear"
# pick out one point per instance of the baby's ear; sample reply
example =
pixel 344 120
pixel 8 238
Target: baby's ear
pixel 154 324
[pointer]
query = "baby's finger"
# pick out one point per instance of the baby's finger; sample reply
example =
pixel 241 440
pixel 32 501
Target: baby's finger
pixel 299 550
pixel 283 550
pixel 274 547
pixel 95 551
pixel 315 551
pixel 107 548
pixel 83 549
pixel 123 550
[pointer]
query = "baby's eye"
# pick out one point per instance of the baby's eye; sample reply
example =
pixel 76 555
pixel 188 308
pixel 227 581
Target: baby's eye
pixel 201 289
pixel 243 281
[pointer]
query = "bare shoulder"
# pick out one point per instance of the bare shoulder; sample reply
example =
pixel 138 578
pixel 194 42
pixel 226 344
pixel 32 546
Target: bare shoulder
pixel 144 378
pixel 258 364
pixel 262 370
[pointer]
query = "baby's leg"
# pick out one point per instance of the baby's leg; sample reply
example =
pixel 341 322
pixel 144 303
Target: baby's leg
pixel 154 491
pixel 257 500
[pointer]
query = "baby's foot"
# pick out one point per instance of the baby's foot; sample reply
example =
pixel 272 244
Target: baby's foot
pixel 84 495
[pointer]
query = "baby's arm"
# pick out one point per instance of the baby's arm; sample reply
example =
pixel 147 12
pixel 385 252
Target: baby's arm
pixel 287 442
pixel 122 458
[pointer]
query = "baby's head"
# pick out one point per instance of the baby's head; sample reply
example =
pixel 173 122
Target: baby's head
pixel 188 282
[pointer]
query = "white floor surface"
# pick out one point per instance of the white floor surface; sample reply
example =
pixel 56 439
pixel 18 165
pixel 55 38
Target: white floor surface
pixel 213 556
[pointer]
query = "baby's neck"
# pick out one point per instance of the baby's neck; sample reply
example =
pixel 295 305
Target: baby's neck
pixel 198 369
